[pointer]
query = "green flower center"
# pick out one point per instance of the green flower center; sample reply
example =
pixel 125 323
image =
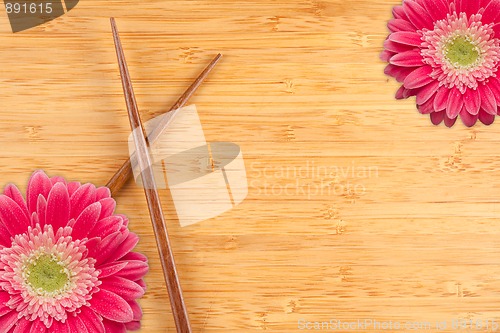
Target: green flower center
pixel 47 275
pixel 461 51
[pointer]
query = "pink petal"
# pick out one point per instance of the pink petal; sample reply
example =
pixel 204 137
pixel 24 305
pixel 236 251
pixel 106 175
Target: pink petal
pixel 134 270
pixel 400 92
pixel 12 216
pixel 494 85
pixel 76 325
pixel 426 108
pixel 468 119
pixel 106 247
pixel 86 221
pixel 72 187
pixel 437 9
pixel 57 179
pixel 91 320
pixel 141 283
pixel 406 37
pixel 5 236
pixel 133 326
pixel 486 118
pixel 449 122
pixel 135 256
pixel 425 93
pixel 472 101
pixel 102 193
pixel 58 206
pixel 38 184
pixel 59 327
pixel 467 6
pixel 491 12
pixel 4 298
pixel 83 197
pixel 8 321
pixel 22 326
pixel 399 73
pixel 41 210
pixel 488 101
pixel 125 247
pixel 13 192
pixel 400 25
pixel 437 117
pixel 112 269
pixel 399 13
pixel 455 103
pixel 124 288
pixel 108 207
pixel 111 306
pixel 396 47
pixel 411 58
pixel 419 78
pixel 37 327
pixel 418 15
pixel 386 55
pixel 441 99
pixel 136 309
pixel 114 327
pixel 106 226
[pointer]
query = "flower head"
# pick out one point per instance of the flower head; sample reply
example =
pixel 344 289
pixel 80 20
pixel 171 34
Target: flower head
pixel 65 260
pixel 447 53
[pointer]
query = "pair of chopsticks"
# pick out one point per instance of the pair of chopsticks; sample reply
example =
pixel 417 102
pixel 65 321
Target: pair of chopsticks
pixel 142 140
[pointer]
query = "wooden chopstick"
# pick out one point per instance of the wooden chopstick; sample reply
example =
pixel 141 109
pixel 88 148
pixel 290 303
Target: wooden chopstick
pixel 124 173
pixel 164 249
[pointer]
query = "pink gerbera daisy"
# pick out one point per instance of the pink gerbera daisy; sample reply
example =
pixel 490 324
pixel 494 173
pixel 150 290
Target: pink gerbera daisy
pixel 65 260
pixel 446 53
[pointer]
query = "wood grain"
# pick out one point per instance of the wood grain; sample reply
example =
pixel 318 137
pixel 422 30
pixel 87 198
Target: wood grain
pixel 300 88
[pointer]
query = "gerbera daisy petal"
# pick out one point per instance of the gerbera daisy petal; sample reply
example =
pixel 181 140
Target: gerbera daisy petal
pixel 441 98
pixel 12 216
pixel 472 101
pixel 437 117
pixel 81 198
pixel 399 13
pixel 455 103
pixel 102 193
pixel 13 192
pixel 124 247
pixel 426 107
pixel 411 58
pixel 399 73
pixel 449 122
pixel 22 326
pixel 38 184
pixel 8 321
pixel 114 327
pixel 91 320
pixel 437 9
pixel 491 12
pixel 426 92
pixel 400 25
pixel 133 326
pixel 488 101
pixel 396 47
pixel 133 270
pixel 112 269
pixel 86 221
pixel 494 85
pixel 76 325
pixel 41 210
pixel 419 78
pixel 108 207
pixel 38 326
pixel 417 15
pixel 386 55
pixel 467 6
pixel 468 119
pixel 406 38
pixel 60 327
pixel 58 206
pixel 111 306
pixel 122 287
pixel 486 118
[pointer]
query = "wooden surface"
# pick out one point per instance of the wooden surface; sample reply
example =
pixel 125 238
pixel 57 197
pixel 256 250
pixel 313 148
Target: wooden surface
pixel 358 207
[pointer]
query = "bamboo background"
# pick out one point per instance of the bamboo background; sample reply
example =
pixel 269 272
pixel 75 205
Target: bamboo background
pixel 358 207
